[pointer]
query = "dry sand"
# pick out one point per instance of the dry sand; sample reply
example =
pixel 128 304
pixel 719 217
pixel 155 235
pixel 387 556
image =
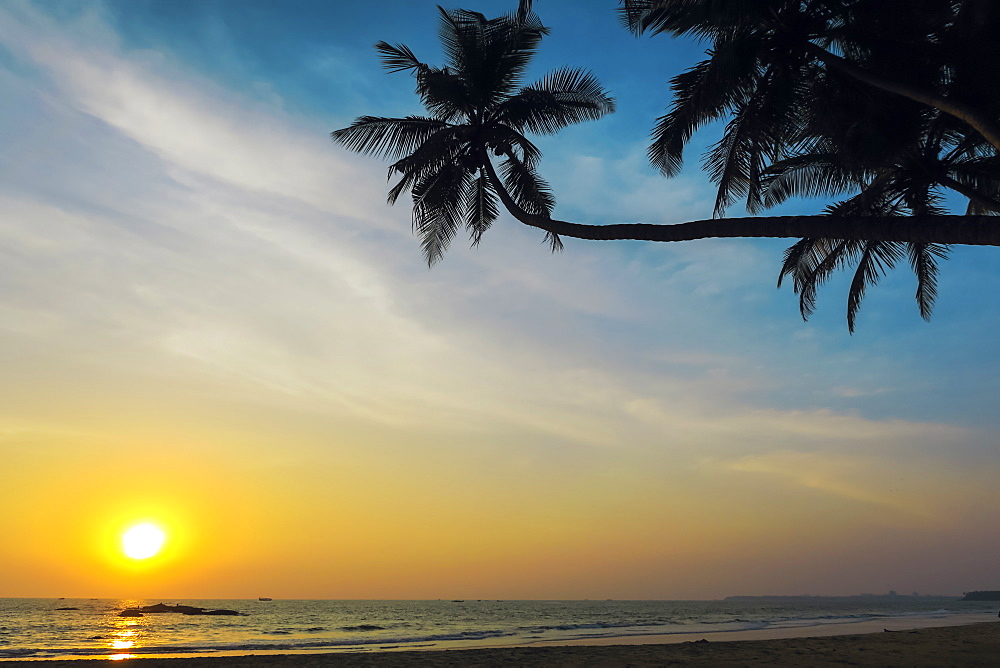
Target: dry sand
pixel 970 645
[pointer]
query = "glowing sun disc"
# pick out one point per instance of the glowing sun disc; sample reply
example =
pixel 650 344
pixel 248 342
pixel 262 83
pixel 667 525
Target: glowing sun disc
pixel 143 541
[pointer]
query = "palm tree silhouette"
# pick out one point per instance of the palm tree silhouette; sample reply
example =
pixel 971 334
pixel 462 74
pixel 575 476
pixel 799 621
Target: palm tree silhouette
pixel 894 158
pixel 477 107
pixel 879 120
pixel 803 121
pixel 929 51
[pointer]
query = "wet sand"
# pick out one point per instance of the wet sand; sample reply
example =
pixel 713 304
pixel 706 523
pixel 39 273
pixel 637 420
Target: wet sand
pixel 969 645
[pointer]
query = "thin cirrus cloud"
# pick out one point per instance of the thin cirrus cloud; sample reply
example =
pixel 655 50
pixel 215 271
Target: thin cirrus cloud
pixel 919 492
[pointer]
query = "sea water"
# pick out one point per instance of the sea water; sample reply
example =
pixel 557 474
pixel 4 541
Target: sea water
pixel 36 628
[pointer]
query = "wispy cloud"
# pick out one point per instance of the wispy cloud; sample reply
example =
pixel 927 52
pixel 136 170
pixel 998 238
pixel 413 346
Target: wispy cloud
pixel 891 474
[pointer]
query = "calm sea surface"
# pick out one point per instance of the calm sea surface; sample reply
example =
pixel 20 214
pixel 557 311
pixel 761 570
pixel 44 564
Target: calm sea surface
pixel 34 628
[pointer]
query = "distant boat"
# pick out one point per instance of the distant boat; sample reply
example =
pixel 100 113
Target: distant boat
pixel 263 598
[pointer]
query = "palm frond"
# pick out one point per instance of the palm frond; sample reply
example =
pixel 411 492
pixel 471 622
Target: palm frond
pixel 519 34
pixel 564 97
pixel 794 257
pixel 810 262
pixel 808 175
pixel 918 195
pixel 752 139
pixel 440 149
pixel 702 94
pixel 481 208
pixel 923 259
pixel 443 93
pixel 441 90
pixel 526 187
pixel 438 209
pixel 877 257
pixel 398 57
pixel 979 179
pixel 524 9
pixel 701 18
pixel 462 37
pixel 389 138
pixel 554 242
pixel 490 55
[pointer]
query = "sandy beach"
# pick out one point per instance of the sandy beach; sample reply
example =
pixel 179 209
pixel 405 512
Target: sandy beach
pixel 968 645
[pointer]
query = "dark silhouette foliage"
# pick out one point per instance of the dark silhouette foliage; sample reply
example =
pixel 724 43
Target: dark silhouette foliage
pixel 882 106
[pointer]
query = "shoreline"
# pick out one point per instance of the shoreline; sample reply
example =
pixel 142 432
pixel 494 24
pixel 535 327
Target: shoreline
pixel 970 639
pixel 882 624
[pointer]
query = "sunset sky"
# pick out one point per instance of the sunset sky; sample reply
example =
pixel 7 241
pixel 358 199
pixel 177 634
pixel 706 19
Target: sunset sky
pixel 211 320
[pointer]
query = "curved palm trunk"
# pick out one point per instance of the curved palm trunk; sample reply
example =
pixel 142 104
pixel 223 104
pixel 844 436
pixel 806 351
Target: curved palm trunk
pixel 965 230
pixel 973 194
pixel 970 115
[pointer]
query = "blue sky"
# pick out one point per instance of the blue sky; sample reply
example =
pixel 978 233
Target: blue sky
pixel 191 271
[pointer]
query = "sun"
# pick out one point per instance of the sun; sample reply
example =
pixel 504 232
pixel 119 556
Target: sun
pixel 143 541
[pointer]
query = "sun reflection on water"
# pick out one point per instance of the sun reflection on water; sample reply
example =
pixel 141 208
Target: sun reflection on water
pixel 125 636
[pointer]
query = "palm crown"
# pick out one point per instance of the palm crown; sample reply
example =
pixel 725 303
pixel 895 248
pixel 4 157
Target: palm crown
pixel 476 107
pixel 804 121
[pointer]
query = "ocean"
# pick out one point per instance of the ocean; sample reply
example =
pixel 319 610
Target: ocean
pixel 36 629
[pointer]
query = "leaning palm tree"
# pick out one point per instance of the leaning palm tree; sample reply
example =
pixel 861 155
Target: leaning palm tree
pixel 476 108
pixel 463 121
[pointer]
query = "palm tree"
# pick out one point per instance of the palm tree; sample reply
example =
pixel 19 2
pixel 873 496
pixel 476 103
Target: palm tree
pixel 767 57
pixel 807 122
pixel 478 110
pixel 396 138
pixel 476 107
pixel 893 158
